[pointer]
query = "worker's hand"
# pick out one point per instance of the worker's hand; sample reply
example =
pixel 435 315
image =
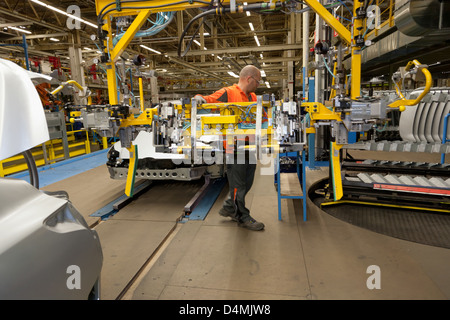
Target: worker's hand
pixel 199 99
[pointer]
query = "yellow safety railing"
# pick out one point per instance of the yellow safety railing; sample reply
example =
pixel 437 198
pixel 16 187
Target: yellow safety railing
pixel 386 16
pixel 54 153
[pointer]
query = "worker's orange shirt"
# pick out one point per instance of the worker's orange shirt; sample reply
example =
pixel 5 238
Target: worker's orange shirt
pixel 230 94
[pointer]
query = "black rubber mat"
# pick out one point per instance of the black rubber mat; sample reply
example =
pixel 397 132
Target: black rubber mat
pixel 417 226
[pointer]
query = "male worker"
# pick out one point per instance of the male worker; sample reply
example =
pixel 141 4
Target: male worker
pixel 240 175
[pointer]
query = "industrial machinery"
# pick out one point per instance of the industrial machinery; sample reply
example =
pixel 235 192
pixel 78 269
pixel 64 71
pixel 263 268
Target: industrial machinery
pixel 181 140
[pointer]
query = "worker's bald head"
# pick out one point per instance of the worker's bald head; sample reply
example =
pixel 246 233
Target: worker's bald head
pixel 249 71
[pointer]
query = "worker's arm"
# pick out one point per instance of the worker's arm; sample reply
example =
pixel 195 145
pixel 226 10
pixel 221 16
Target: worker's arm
pixel 217 97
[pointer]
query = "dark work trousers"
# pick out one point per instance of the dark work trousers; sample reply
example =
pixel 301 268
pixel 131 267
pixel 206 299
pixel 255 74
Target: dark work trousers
pixel 240 180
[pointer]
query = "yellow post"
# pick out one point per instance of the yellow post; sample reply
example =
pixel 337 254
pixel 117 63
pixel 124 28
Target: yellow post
pixel 88 143
pixel 338 191
pixel 2 171
pixel 356 54
pixel 105 142
pixel 141 94
pixel 356 74
pixel 51 153
pixel 112 83
pixel 129 187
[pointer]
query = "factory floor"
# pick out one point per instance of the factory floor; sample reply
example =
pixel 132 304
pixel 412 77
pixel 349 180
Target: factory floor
pixel 150 255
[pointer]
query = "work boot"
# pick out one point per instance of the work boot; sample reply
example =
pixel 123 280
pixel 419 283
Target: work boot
pixel 251 224
pixel 225 213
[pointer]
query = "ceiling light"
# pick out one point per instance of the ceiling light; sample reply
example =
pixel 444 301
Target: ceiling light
pixel 263 73
pixel 220 58
pixel 261 55
pixel 64 13
pixel 231 73
pixel 251 26
pixel 86 48
pixel 20 30
pixel 247 12
pixel 150 49
pixel 199 44
pixel 267 84
pixel 54 39
pixel 257 41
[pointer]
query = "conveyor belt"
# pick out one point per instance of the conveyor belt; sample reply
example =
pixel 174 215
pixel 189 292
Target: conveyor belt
pixel 400 146
pixel 424 185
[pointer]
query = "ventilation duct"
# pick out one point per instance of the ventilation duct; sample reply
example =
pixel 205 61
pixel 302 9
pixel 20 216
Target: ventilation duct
pixel 422 17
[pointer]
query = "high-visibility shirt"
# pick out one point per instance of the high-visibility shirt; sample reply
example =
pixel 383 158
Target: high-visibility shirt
pixel 230 94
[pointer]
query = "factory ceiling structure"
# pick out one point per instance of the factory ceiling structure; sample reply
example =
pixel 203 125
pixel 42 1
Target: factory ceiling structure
pixel 213 49
pixel 221 46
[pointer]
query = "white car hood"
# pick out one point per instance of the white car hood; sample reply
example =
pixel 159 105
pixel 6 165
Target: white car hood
pixel 22 119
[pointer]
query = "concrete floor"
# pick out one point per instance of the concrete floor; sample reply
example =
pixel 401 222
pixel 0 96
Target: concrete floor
pixel 321 258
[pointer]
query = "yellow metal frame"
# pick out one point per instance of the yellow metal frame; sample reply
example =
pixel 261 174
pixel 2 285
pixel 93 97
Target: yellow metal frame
pixel 330 20
pixel 60 87
pixel 129 186
pixel 408 102
pixel 348 37
pixel 317 111
pixel 145 118
pixel 228 113
pixel 53 148
pixel 141 16
pixel 389 21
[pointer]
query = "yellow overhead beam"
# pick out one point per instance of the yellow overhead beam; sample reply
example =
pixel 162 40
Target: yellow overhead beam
pixel 106 9
pixel 109 7
pixel 123 43
pixel 330 19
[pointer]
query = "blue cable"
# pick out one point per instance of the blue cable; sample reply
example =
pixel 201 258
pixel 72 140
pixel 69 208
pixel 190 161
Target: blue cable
pixel 346 7
pixel 158 26
pixel 326 66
